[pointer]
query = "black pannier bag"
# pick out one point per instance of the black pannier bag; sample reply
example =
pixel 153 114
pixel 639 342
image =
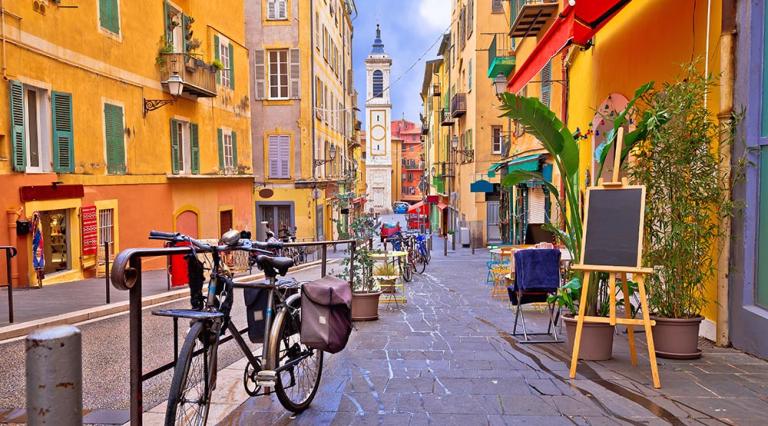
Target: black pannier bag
pixel 256 311
pixel 326 314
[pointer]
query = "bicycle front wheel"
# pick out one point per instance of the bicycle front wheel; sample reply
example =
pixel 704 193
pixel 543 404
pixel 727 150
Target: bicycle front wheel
pixel 297 384
pixel 420 263
pixel 190 395
pixel 407 270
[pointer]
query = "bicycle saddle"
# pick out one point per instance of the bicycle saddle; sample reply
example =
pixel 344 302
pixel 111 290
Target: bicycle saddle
pixel 274 265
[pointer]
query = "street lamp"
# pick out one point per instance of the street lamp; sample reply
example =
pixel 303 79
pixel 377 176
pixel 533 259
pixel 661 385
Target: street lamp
pixel 500 84
pixel 331 155
pixel 175 87
pixel 463 152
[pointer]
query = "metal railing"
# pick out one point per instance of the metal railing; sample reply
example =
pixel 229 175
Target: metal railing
pixel 199 78
pixel 459 105
pixel 126 275
pixel 10 252
pixel 501 46
pixel 446 119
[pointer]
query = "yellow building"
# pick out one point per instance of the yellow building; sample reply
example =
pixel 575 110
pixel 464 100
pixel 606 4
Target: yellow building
pixel 303 96
pixel 97 148
pixel 476 132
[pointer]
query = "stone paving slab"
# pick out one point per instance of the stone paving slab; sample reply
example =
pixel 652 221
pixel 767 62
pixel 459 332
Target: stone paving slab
pixel 447 358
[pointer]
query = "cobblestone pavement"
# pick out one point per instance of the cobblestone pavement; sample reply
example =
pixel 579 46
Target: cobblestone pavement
pixel 447 358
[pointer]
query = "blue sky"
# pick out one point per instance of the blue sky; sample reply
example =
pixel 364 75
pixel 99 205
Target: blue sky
pixel 408 29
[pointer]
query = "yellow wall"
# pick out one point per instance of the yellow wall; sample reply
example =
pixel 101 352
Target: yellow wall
pixel 627 54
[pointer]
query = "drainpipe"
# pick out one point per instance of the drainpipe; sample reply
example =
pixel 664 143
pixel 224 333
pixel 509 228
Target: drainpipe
pixel 2 35
pixel 727 41
pixel 313 214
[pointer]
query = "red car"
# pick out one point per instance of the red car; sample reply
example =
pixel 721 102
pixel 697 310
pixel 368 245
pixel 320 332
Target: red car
pixel 388 229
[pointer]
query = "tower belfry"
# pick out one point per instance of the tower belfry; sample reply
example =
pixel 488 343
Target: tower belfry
pixel 378 110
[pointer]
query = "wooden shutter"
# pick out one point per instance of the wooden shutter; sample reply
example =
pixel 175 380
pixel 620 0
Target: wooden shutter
pixel 61 110
pixel 259 71
pixel 186 34
pixel 175 146
pixel 18 134
pixel 167 20
pixel 274 157
pixel 217 56
pixel 234 150
pixel 220 138
pixel 295 74
pixel 546 83
pixel 285 156
pixel 108 16
pixel 194 149
pixel 231 67
pixel 113 124
pixel 536 206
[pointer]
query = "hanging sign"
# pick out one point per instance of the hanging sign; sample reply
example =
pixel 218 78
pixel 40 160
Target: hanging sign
pixel 90 230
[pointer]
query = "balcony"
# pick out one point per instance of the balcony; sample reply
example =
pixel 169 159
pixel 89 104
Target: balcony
pixel 413 165
pixel 458 105
pixel 445 118
pixel 199 77
pixel 501 56
pixel 531 16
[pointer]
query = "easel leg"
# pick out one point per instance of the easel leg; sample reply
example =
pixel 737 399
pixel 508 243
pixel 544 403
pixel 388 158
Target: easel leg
pixel 579 325
pixel 628 315
pixel 648 331
pixel 612 299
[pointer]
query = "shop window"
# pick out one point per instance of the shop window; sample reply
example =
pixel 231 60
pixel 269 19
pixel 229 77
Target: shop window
pixel 56 240
pixel 279 218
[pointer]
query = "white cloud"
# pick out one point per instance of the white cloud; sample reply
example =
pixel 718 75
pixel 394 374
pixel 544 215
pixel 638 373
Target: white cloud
pixel 435 14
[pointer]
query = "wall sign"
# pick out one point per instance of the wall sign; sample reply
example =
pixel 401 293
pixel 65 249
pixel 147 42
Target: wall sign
pixel 90 230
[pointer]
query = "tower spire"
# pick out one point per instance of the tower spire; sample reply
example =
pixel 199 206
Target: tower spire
pixel 378 45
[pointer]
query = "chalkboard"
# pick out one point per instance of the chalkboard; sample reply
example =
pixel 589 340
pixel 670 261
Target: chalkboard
pixel 612 234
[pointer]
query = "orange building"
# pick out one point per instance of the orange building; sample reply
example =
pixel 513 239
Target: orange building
pixel 411 160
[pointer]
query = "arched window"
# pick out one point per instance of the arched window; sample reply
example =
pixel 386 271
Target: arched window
pixel 378 84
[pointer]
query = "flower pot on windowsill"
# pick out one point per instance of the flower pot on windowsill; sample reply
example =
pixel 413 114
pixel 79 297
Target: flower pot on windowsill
pixel 677 338
pixel 365 306
pixel 596 339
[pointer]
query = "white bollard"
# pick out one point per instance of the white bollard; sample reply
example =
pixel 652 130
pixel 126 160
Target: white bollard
pixel 54 376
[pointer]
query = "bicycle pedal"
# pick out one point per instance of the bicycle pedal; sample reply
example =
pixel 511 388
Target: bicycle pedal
pixel 266 378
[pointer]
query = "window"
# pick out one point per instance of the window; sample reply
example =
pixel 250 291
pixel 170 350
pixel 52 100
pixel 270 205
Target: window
pixel 225 54
pixel 279 156
pixel 469 76
pixel 277 9
pixel 546 83
pixel 378 84
pixel 278 74
pixel 316 24
pixel 497 6
pixel 185 148
pixel 107 228
pixel 497 139
pixel 114 132
pixel 470 17
pixel 109 16
pixel 227 143
pixel 41 134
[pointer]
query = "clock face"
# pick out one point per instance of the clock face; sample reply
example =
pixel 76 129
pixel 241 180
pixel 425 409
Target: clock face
pixel 378 133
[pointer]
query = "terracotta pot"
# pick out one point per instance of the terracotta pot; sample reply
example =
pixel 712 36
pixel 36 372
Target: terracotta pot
pixel 365 306
pixel 596 340
pixel 677 338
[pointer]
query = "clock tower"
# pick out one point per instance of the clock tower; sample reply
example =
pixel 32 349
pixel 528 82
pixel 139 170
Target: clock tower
pixel 378 108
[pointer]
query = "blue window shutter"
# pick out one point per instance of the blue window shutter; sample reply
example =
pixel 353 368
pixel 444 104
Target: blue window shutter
pixel 234 150
pixel 61 111
pixel 194 148
pixel 217 56
pixel 231 67
pixel 18 134
pixel 220 136
pixel 175 160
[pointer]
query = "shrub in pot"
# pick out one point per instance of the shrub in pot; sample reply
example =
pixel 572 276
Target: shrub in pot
pixel 365 290
pixel 391 273
pixel 686 196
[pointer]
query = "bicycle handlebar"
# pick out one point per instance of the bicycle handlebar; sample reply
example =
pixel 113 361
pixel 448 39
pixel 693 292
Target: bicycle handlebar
pixel 255 246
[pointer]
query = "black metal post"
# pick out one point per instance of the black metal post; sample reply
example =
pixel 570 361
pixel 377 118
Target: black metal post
pixel 352 251
pixel 137 406
pixel 8 256
pixel 324 254
pixel 445 245
pixel 106 268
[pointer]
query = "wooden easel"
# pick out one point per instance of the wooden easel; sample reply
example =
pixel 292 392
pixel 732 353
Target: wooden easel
pixel 637 270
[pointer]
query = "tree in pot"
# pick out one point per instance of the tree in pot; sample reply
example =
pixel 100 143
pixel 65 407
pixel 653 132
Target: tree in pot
pixel 687 193
pixel 365 290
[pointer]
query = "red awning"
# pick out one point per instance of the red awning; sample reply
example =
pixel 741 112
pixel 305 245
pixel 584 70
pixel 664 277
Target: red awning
pixel 441 205
pixel 419 207
pixel 576 24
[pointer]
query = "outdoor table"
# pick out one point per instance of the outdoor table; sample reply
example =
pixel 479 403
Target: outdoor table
pixel 398 256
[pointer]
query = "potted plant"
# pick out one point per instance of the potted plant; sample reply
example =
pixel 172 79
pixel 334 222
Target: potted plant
pixel 386 274
pixel 365 290
pixel 687 194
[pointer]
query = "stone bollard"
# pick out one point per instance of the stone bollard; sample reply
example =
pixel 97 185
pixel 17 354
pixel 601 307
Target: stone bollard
pixel 54 376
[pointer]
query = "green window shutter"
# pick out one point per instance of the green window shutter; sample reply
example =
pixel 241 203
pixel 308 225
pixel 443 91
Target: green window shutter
pixel 167 20
pixel 234 150
pixel 114 131
pixel 108 15
pixel 194 148
pixel 469 83
pixel 175 160
pixel 61 110
pixel 220 136
pixel 231 67
pixel 18 135
pixel 185 27
pixel 217 56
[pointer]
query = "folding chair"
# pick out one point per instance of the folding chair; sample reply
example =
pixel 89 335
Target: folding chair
pixel 504 267
pixel 537 275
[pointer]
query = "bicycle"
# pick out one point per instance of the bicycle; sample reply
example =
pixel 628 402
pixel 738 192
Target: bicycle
pixel 290 368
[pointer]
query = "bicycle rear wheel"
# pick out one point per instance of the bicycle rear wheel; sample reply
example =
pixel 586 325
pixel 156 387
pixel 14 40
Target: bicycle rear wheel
pixel 407 269
pixel 297 385
pixel 420 263
pixel 190 395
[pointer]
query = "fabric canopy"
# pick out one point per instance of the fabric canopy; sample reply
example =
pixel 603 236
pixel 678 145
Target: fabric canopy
pixel 528 163
pixel 577 23
pixel 419 207
pixel 441 205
